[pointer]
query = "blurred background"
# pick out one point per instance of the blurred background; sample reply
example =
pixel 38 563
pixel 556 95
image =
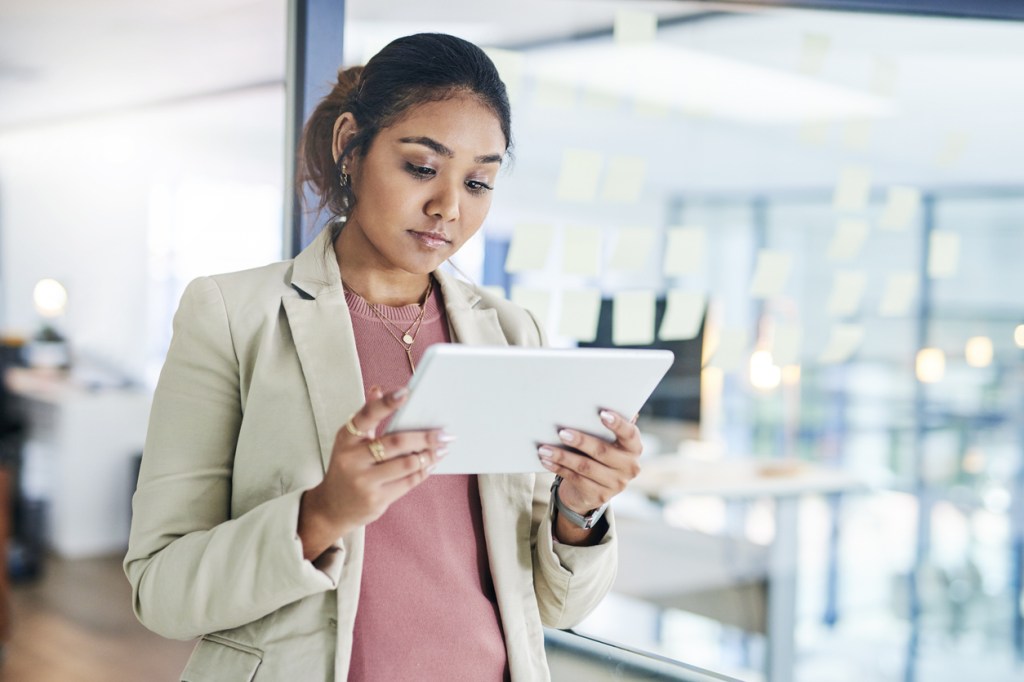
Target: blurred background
pixel 820 210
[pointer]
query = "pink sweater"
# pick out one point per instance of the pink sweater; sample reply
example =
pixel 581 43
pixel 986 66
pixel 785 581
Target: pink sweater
pixel 427 608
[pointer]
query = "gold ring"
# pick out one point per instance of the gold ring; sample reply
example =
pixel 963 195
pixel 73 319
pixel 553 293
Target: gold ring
pixel 423 461
pixel 377 450
pixel 351 428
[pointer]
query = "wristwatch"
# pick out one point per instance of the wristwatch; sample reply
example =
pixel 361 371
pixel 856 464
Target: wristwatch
pixel 586 522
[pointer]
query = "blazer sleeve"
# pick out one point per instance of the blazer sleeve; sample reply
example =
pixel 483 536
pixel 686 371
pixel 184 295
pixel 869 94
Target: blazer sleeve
pixel 569 581
pixel 194 569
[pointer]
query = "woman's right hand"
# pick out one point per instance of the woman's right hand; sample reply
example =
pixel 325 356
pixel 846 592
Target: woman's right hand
pixel 356 488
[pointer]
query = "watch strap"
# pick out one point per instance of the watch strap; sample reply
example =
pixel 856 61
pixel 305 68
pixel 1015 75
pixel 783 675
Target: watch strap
pixel 585 521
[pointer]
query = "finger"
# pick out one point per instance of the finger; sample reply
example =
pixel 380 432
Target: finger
pixel 579 468
pixel 378 408
pixel 408 465
pixel 404 442
pixel 626 432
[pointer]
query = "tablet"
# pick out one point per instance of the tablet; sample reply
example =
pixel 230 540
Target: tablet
pixel 502 403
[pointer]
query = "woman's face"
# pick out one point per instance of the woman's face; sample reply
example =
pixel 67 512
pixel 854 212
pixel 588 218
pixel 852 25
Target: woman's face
pixel 424 187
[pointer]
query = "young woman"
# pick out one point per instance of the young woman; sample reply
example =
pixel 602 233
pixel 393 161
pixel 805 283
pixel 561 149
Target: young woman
pixel 271 520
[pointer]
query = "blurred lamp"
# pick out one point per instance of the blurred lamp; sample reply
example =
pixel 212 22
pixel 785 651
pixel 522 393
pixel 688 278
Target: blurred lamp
pixel 930 365
pixel 1018 336
pixel 764 373
pixel 978 351
pixel 50 298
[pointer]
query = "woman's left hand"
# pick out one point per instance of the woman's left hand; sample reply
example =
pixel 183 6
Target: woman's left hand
pixel 594 470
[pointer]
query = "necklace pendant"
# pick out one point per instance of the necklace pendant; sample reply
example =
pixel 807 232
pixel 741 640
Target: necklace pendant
pixel 408 339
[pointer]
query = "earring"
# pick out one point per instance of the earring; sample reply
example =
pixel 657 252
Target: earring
pixel 345 178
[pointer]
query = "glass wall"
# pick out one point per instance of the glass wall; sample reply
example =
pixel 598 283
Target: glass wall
pixel 839 199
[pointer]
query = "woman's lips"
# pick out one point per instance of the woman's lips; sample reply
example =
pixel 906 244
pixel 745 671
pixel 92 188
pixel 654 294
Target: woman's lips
pixel 432 240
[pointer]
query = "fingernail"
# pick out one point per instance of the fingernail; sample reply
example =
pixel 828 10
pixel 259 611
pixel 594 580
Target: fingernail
pixel 400 393
pixel 445 437
pixel 545 451
pixel 547 464
pixel 607 417
pixel 431 468
pixel 441 452
pixel 567 436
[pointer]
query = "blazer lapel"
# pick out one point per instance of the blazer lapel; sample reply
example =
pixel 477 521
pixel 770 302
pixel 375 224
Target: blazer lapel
pixel 322 332
pixel 470 324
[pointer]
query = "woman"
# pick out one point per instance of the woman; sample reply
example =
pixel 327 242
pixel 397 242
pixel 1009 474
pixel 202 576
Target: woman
pixel 270 520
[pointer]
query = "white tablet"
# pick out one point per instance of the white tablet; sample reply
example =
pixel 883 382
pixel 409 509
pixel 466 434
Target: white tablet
pixel 502 403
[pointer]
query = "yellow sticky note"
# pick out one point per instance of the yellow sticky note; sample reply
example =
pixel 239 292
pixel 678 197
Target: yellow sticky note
pixel 530 247
pixel 580 312
pixel 625 179
pixel 684 311
pixel 952 150
pixel 853 189
pixel 814 133
pixel 633 249
pixel 848 239
pixel 901 207
pixel 553 94
pixel 633 318
pixel 494 290
pixel 770 273
pixel 581 169
pixel 884 76
pixel 813 51
pixel 857 134
pixel 732 346
pixel 847 291
pixel 537 301
pixel 786 345
pixel 511 66
pixel 581 251
pixel 684 250
pixel 900 293
pixel 843 342
pixel 635 28
pixel 943 254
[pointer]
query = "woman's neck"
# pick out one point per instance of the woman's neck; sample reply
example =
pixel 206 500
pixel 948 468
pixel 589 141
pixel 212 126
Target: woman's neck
pixel 377 285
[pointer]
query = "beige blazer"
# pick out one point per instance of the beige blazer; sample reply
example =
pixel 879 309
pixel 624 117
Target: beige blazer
pixel 261 373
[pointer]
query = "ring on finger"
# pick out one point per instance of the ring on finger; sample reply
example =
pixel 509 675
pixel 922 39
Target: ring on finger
pixel 423 461
pixel 377 450
pixel 351 427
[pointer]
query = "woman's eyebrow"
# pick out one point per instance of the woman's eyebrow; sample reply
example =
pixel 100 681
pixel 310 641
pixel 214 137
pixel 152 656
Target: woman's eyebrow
pixel 436 146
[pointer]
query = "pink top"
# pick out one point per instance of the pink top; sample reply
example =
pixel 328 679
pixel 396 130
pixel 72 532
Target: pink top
pixel 427 608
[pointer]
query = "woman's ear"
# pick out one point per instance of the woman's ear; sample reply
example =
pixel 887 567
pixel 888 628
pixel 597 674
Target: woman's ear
pixel 344 130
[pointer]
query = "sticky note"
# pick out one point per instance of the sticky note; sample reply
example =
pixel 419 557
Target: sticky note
pixel 786 344
pixel 900 292
pixel 633 249
pixel 633 318
pixel 901 207
pixel 848 240
pixel 553 94
pixel 770 273
pixel 847 291
pixel 581 169
pixel 684 250
pixel 624 179
pixel 581 250
pixel 731 349
pixel 943 254
pixel 857 134
pixel 650 108
pixel 597 98
pixel 537 301
pixel 952 150
pixel 635 28
pixel 511 66
pixel 814 133
pixel 813 51
pixel 684 312
pixel 843 342
pixel 853 189
pixel 580 312
pixel 493 290
pixel 530 247
pixel 884 76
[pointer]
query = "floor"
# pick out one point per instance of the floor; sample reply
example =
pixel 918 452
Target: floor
pixel 76 625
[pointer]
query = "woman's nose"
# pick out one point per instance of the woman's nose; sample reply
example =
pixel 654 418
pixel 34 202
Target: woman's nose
pixel 444 204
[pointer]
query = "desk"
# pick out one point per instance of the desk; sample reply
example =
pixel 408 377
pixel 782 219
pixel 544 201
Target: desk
pixel 670 477
pixel 78 457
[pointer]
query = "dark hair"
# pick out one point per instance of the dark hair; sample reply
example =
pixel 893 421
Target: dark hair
pixel 416 69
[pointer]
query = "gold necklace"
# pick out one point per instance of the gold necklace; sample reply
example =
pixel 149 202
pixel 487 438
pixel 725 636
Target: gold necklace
pixel 408 337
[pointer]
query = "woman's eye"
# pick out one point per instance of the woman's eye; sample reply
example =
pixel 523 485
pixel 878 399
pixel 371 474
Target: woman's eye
pixel 420 171
pixel 478 187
